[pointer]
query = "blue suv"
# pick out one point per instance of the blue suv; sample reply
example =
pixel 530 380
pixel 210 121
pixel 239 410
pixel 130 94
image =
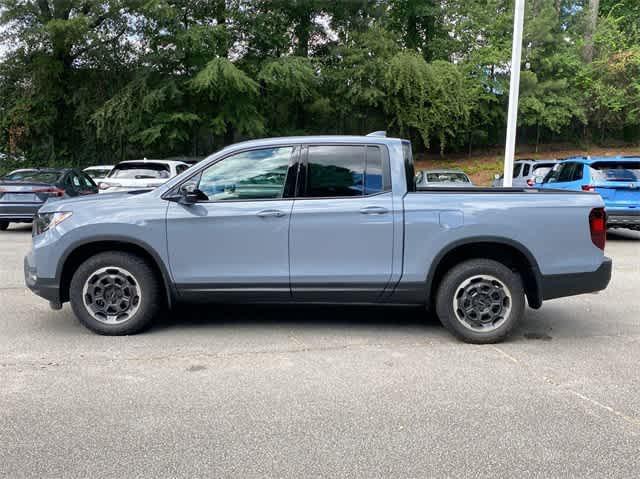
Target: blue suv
pixel 616 179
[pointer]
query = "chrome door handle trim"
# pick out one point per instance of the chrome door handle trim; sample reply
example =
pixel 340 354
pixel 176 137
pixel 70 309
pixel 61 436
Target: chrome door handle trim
pixel 271 214
pixel 374 210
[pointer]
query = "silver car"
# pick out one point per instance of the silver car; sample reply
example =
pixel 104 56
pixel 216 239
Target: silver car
pixel 525 173
pixel 446 178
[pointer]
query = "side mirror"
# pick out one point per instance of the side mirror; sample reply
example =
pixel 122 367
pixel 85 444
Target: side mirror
pixel 539 180
pixel 190 194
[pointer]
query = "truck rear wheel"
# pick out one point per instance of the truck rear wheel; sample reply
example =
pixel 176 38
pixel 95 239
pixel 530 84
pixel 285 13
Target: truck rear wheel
pixel 115 293
pixel 480 301
pixel 4 225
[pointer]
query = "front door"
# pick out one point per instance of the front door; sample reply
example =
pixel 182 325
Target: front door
pixel 234 243
pixel 341 235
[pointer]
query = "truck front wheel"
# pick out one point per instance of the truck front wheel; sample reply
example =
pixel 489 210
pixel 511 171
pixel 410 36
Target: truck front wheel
pixel 115 293
pixel 480 301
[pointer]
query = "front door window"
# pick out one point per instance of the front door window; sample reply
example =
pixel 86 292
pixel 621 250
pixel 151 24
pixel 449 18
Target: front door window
pixel 250 175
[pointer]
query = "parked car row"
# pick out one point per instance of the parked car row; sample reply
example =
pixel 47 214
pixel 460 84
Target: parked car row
pixel 24 191
pixel 616 179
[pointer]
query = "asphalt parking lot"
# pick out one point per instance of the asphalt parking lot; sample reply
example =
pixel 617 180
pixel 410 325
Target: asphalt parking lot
pixel 282 392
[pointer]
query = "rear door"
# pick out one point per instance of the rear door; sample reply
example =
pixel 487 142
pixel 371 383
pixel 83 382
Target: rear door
pixel 341 234
pixel 520 179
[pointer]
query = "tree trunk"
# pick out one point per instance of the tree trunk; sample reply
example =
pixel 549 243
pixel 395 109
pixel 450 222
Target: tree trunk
pixel 592 23
pixel 303 34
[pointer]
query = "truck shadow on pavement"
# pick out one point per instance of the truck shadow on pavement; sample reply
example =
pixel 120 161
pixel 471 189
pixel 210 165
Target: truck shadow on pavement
pixel 299 316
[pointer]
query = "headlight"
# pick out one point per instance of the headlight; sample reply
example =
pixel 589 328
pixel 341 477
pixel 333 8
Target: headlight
pixel 47 221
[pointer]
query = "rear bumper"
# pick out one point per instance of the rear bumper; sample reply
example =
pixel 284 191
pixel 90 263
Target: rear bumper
pixel 561 285
pixel 47 288
pixel 629 218
pixel 18 212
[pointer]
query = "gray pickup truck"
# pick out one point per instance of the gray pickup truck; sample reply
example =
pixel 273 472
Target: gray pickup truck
pixel 328 219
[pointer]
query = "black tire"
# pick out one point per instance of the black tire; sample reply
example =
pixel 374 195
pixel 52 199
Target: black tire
pixel 4 225
pixel 452 287
pixel 150 297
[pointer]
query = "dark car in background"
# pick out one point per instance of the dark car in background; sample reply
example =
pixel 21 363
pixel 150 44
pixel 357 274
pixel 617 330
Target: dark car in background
pixel 23 192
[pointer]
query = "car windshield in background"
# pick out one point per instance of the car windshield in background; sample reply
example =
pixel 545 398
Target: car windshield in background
pixel 447 178
pixel 616 171
pixel 140 171
pixel 97 173
pixel 34 176
pixel 541 170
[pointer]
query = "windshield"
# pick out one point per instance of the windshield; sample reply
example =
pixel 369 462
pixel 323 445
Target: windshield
pixel 35 176
pixel 541 170
pixel 98 173
pixel 140 171
pixel 616 171
pixel 447 178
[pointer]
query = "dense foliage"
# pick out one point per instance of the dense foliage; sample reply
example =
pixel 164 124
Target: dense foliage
pixel 88 81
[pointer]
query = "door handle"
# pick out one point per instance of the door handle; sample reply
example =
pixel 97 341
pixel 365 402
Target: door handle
pixel 271 214
pixel 374 210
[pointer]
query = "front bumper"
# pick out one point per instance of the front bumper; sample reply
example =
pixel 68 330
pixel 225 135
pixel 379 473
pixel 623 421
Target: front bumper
pixel 47 288
pixel 561 285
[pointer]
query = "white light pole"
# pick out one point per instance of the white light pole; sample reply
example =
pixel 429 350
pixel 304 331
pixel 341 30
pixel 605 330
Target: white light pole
pixel 514 90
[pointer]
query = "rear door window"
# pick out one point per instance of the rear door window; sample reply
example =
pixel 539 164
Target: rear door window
pixel 335 171
pixel 516 169
pixel 525 169
pixel 566 172
pixel 376 178
pixel 578 172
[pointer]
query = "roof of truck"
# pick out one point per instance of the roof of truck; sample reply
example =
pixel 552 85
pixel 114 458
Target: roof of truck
pixel 315 139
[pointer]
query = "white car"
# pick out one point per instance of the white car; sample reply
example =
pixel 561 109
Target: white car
pixel 99 172
pixel 141 174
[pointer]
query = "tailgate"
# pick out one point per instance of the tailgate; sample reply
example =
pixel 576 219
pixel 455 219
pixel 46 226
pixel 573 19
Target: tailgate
pixel 621 193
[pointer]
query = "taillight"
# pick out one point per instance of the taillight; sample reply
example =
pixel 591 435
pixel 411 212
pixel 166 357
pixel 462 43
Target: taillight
pixel 588 188
pixel 50 192
pixel 598 227
pixel 530 182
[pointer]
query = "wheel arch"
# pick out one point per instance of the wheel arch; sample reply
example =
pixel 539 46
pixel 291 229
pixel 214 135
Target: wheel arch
pixel 75 255
pixel 509 252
